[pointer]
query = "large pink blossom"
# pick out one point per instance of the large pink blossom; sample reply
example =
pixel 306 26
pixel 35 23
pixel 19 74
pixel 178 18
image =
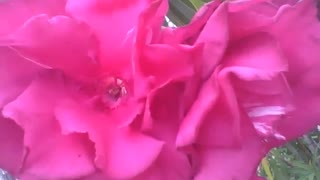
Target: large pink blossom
pixel 69 104
pixel 98 90
pixel 257 69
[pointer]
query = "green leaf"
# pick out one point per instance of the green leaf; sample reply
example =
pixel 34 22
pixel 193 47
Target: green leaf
pixel 196 3
pixel 310 177
pixel 300 165
pixel 180 13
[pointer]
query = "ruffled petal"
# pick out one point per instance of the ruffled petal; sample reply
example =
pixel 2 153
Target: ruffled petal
pixel 26 176
pixel 245 58
pixel 130 154
pixel 12 149
pixel 96 176
pixel 249 17
pixel 155 62
pixel 213 40
pixel 16 73
pixel 206 37
pixel 188 34
pixel 232 163
pixel 298 21
pixel 254 71
pixel 121 152
pixel 150 24
pixel 49 153
pixel 305 65
pixel 21 11
pixel 161 120
pixel 284 2
pixel 171 164
pixel 58 42
pixel 164 63
pixel 294 24
pixel 108 20
pixel 266 103
pixel 216 109
pixel 163 113
pixel 192 122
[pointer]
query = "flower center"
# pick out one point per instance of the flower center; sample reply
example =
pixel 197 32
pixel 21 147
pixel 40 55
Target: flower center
pixel 105 93
pixel 116 89
pixel 114 92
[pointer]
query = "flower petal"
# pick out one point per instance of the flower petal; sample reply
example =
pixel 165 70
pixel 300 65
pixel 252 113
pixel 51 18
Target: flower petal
pixel 192 122
pixel 188 34
pixel 121 152
pixel 295 25
pixel 15 74
pixel 96 176
pixel 151 53
pixel 284 2
pixel 214 39
pixel 11 138
pixel 161 120
pixel 260 77
pixel 241 163
pixel 248 17
pixel 131 154
pixel 20 11
pixel 245 61
pixel 51 159
pixel 217 99
pixel 171 164
pixel 164 63
pixel 164 111
pixel 107 19
pixel 302 13
pixel 52 43
pixel 207 36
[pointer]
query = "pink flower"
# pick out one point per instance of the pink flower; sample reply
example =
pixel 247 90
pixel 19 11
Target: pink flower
pixel 88 94
pixel 72 97
pixel 256 83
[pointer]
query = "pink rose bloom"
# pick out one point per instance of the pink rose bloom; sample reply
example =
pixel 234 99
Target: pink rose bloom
pixel 256 82
pixel 98 90
pixel 73 97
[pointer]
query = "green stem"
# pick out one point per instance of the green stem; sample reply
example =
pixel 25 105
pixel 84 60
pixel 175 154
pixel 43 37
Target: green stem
pixel 266 168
